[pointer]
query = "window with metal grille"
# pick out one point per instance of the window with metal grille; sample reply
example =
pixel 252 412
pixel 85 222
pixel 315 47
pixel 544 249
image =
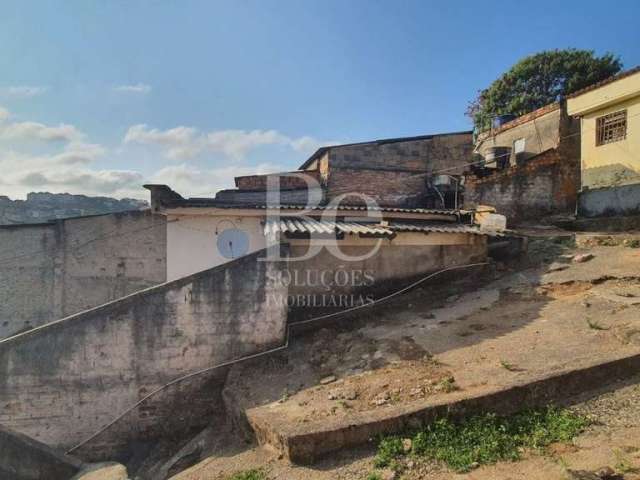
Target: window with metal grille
pixel 611 128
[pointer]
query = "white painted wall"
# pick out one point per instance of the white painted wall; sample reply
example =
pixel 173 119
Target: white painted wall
pixel 192 241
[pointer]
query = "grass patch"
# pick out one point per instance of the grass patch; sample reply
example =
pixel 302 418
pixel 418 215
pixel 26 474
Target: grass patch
pixel 253 474
pixel 484 439
pixel 448 385
pixel 632 243
pixel 508 366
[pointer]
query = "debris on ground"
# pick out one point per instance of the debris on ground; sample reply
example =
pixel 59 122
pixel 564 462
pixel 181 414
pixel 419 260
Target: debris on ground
pixel 583 257
pixel 327 380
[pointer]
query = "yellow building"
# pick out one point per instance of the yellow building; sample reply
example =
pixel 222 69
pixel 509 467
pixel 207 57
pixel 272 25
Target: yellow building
pixel 609 113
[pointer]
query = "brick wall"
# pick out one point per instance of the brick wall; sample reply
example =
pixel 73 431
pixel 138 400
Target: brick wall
pixel 546 185
pixel 394 172
pixel 60 383
pixel 387 187
pixel 290 180
pixel 49 271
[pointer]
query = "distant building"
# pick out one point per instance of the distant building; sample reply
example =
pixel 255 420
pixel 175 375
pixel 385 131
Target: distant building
pixel 396 172
pixel 408 172
pixel 609 114
pixel 528 167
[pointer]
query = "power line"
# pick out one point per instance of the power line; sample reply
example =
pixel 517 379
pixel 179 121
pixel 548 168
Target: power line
pixel 267 352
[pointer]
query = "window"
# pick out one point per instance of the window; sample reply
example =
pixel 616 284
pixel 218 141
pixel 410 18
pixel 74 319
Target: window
pixel 519 146
pixel 611 128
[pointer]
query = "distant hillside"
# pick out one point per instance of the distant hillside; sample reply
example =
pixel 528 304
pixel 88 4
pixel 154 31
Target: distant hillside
pixel 41 207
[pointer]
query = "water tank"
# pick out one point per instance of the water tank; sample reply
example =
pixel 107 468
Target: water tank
pixel 440 180
pixel 500 120
pixel 498 157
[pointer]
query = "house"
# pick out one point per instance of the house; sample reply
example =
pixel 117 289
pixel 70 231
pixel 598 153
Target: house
pixel 370 206
pixel 609 114
pixel 389 242
pixel 527 167
pixel 394 171
pixel 409 172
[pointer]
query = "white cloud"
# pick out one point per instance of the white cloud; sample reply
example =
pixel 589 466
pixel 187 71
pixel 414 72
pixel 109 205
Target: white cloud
pixel 237 143
pixel 35 156
pixel 187 142
pixel 141 88
pixel 66 168
pixel 310 144
pixel 142 134
pixel 79 153
pixel 23 91
pixel 39 131
pixel 193 181
pixel 179 142
pixel 68 171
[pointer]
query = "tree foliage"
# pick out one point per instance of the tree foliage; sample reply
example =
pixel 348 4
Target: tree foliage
pixel 538 80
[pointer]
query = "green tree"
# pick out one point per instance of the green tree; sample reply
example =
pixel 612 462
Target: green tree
pixel 538 80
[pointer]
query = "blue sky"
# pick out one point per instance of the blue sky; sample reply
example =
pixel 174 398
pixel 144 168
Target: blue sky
pixel 98 97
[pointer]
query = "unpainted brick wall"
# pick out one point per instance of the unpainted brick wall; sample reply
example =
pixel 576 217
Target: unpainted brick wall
pixel 394 173
pixel 49 271
pixel 546 185
pixel 387 187
pixel 291 180
pixel 61 383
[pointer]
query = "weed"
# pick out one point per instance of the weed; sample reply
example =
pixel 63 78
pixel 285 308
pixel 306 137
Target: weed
pixel 395 397
pixel 485 438
pixel 632 243
pixel 389 449
pixel 608 242
pixel 508 366
pixel 253 474
pixel 374 476
pixel 594 325
pixel 448 385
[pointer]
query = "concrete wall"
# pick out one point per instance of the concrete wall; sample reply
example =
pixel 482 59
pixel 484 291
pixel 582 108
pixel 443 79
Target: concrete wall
pixel 614 201
pixel 327 281
pixel 545 185
pixel 49 271
pixel 22 458
pixel 63 381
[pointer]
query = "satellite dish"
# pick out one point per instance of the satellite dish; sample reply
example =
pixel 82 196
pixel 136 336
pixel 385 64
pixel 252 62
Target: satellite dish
pixel 233 243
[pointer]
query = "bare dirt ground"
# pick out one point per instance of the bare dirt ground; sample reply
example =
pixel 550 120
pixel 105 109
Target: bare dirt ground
pixel 613 441
pixel 548 316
